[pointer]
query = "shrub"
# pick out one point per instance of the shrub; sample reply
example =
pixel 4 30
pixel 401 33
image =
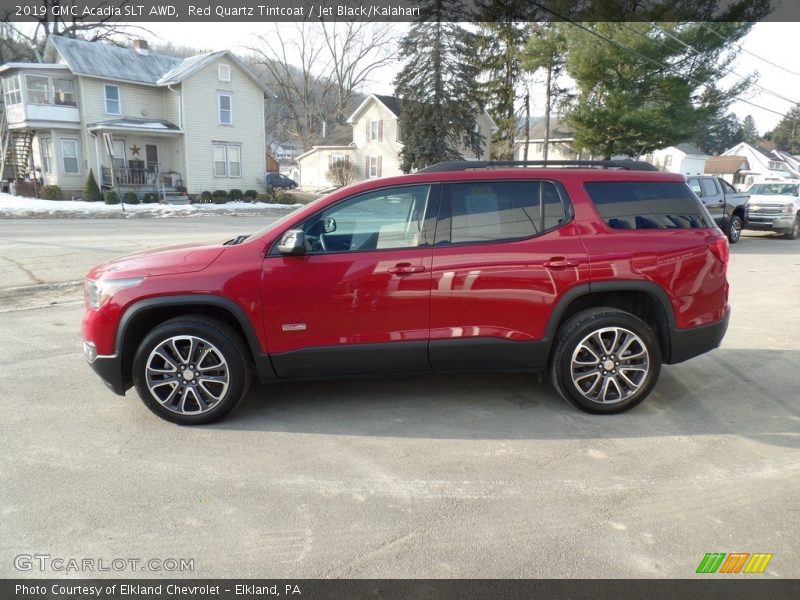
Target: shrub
pixel 131 198
pixel 111 197
pixel 91 191
pixel 220 196
pixel 150 198
pixel 342 173
pixel 250 195
pixel 206 197
pixel 235 195
pixel 275 196
pixel 51 192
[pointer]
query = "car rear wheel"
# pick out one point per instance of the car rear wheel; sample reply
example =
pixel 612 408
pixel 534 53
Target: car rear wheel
pixel 192 370
pixel 734 229
pixel 605 361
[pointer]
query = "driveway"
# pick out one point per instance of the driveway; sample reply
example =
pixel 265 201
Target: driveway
pixel 440 476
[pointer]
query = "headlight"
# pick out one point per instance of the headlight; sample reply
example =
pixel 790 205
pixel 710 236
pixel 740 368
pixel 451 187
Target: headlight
pixel 98 291
pixel 788 208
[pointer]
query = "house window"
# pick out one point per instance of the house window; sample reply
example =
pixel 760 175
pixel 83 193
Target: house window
pixel 373 167
pixel 63 92
pixel 227 160
pixel 338 158
pixel 668 160
pixel 69 157
pixel 374 131
pixel 13 93
pixel 112 95
pixel 37 89
pixel 234 161
pixel 398 134
pixel 46 152
pixel 224 72
pixel 225 104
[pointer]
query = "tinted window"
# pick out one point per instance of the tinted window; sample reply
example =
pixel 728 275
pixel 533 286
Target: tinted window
pixel 503 210
pixel 648 205
pixel 709 188
pixel 379 220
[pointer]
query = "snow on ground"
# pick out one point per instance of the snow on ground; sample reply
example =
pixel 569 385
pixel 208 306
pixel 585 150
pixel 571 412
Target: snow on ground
pixel 17 206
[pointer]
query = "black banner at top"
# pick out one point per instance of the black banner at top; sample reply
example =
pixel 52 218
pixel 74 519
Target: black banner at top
pixel 143 11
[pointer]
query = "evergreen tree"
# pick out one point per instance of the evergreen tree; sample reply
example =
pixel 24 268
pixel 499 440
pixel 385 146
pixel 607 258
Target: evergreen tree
pixel 786 134
pixel 500 41
pixel 546 51
pixel 437 87
pixel 638 91
pixel 719 134
pixel 91 192
pixel 749 131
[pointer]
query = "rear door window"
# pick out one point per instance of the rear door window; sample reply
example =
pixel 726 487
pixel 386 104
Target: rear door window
pixel 493 211
pixel 648 205
pixel 709 187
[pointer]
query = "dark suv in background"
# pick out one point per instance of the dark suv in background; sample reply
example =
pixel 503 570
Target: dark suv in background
pixel 595 272
pixel 278 181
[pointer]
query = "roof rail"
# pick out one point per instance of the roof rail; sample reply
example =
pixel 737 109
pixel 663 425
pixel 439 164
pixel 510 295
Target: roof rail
pixel 468 165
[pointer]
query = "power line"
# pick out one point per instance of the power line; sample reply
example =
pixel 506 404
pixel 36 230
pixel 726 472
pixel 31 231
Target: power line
pixel 666 67
pixel 753 54
pixel 696 51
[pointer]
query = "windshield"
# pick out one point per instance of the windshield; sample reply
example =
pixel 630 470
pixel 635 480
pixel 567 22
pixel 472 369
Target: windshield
pixel 774 189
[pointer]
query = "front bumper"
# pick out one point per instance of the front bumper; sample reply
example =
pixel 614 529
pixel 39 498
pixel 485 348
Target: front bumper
pixel 769 222
pixel 688 343
pixel 109 368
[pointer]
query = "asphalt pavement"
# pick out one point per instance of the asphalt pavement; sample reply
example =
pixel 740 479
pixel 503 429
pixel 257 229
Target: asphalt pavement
pixel 451 476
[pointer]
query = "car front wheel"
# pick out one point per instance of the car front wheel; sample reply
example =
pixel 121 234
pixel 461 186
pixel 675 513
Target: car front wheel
pixel 605 361
pixel 794 232
pixel 734 229
pixel 191 370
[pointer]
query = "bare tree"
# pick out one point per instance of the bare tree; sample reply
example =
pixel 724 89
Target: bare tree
pixel 316 70
pixel 108 28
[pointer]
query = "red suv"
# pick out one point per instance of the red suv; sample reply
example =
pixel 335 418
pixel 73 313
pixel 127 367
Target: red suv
pixel 597 272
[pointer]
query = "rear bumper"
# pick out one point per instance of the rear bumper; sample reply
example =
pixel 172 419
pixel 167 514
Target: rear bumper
pixel 109 368
pixel 688 343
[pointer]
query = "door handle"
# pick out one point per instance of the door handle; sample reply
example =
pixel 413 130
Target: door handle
pixel 406 269
pixel 560 262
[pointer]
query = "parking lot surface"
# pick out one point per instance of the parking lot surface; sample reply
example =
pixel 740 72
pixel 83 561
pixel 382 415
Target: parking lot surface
pixel 438 476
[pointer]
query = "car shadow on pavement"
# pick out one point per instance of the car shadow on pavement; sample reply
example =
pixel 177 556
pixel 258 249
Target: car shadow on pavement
pixel 739 392
pixel 765 243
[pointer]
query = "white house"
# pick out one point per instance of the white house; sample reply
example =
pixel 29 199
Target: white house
pixel 733 169
pixel 763 164
pixel 371 141
pixel 560 145
pixel 680 158
pixel 174 126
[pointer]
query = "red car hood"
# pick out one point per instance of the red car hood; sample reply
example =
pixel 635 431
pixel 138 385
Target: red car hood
pixel 180 258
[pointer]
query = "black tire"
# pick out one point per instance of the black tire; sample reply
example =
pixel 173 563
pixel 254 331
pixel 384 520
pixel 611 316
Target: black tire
pixel 633 382
pixel 211 365
pixel 794 232
pixel 734 229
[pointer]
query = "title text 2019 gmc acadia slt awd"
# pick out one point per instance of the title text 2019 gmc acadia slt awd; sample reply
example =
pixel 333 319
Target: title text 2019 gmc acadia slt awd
pixel 597 273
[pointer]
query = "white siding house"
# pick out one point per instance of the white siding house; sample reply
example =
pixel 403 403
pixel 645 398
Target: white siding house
pixel 372 142
pixel 763 164
pixel 680 158
pixel 175 126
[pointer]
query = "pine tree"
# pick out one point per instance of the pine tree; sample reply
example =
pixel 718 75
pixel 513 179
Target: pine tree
pixel 786 134
pixel 437 87
pixel 637 92
pixel 749 131
pixel 91 192
pixel 499 45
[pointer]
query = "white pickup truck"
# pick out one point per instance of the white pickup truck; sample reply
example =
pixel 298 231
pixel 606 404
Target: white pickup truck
pixel 775 206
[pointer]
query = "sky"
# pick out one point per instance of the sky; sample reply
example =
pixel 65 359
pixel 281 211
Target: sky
pixel 769 41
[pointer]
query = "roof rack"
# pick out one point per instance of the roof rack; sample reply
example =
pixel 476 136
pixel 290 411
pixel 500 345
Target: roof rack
pixel 468 165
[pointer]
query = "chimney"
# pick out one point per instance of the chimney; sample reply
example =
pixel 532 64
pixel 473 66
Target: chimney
pixel 140 46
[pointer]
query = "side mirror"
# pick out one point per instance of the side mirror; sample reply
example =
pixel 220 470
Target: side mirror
pixel 329 225
pixel 293 242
